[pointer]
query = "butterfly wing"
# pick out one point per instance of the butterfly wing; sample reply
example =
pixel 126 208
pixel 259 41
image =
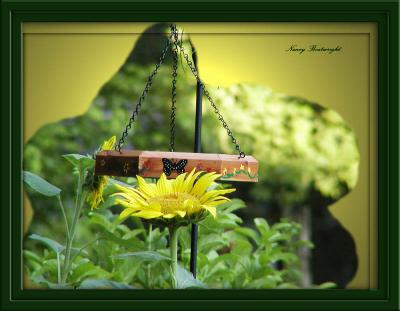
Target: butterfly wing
pixel 168 166
pixel 180 166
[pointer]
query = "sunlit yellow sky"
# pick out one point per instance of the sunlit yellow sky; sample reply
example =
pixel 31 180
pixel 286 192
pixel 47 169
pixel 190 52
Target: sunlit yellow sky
pixel 65 64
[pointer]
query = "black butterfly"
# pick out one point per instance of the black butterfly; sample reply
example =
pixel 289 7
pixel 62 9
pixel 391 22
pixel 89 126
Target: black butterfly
pixel 170 166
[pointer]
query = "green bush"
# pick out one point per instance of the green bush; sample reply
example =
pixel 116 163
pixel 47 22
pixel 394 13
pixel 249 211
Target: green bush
pixel 135 255
pixel 302 147
pixel 308 155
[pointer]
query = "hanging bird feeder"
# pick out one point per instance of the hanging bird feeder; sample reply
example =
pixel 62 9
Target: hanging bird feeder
pixel 118 162
pixel 154 163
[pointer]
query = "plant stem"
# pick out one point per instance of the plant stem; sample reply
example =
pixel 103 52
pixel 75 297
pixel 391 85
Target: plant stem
pixel 150 236
pixel 66 261
pixel 64 215
pixel 80 199
pixel 173 235
pixel 67 238
pixel 149 249
pixel 58 269
pixel 84 246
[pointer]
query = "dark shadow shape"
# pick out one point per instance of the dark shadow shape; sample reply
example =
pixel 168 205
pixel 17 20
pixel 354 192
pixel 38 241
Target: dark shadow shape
pixel 334 258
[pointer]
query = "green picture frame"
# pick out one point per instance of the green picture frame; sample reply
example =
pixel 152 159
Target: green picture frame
pixel 14 13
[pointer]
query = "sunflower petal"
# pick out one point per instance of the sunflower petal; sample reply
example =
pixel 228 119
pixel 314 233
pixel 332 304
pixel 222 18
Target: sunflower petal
pixel 148 189
pixel 132 191
pixel 177 184
pixel 181 213
pixel 211 209
pixel 216 203
pixel 127 212
pixel 189 181
pixel 188 204
pixel 169 216
pixel 147 214
pixel 203 183
pixel 218 198
pixel 131 198
pixel 214 193
pixel 155 206
pixel 109 144
pixel 127 204
pixel 185 195
pixel 164 186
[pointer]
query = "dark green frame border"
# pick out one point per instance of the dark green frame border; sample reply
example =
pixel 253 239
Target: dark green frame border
pixel 13 14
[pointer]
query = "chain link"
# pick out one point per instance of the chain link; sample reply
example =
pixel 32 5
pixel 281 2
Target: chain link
pixel 144 93
pixel 173 40
pixel 173 92
pixel 208 96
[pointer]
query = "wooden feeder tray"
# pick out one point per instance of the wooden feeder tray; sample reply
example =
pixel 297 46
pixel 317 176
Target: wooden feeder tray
pixel 153 163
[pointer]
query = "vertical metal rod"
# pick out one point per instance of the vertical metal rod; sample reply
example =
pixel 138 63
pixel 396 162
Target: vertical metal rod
pixel 197 148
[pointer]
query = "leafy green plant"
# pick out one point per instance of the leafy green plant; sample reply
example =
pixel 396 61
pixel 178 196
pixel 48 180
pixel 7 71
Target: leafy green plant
pixel 136 255
pixel 308 155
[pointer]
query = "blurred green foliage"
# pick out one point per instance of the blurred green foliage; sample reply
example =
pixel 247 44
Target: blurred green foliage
pixel 306 152
pixel 308 156
pixel 135 255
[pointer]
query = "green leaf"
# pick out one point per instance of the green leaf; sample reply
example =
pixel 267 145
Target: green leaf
pixel 101 220
pixel 186 280
pixel 32 260
pixel 145 256
pixel 133 233
pixel 226 221
pixel 233 205
pixel 42 281
pixel 54 245
pixel 78 160
pixel 49 268
pixel 211 241
pixel 112 182
pixel 279 237
pixel 40 185
pixel 103 284
pixel 220 271
pixel 303 243
pixel 261 225
pixel 250 233
pixel 285 257
pixel 131 243
pixel 269 281
pixel 234 218
pixel 109 201
pixel 76 251
pixel 31 256
pixel 243 248
pixel 87 269
pixel 283 226
pixel 327 285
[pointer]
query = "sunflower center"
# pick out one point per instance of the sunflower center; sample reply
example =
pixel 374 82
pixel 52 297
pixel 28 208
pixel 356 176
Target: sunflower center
pixel 172 202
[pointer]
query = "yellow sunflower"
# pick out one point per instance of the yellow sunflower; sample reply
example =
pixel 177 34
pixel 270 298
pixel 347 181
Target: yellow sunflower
pixel 97 184
pixel 180 201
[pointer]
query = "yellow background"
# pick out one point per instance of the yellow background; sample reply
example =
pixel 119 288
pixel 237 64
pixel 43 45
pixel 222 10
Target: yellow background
pixel 65 64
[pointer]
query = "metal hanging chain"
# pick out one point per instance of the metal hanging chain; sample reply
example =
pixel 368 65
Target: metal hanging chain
pixel 177 47
pixel 144 93
pixel 173 92
pixel 207 94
